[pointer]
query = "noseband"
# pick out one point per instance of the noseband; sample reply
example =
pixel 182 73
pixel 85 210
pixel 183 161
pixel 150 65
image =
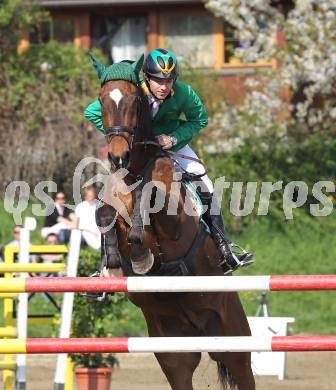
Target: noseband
pixel 117 130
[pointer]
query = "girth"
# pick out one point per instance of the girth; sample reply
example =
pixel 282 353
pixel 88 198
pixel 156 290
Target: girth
pixel 182 266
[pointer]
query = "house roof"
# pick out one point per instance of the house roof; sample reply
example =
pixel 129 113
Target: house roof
pixel 83 3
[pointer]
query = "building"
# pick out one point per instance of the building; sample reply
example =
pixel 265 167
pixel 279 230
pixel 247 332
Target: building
pixel 127 28
pixel 124 29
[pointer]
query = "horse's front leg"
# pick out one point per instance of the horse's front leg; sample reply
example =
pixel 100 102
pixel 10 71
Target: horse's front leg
pixel 106 217
pixel 142 258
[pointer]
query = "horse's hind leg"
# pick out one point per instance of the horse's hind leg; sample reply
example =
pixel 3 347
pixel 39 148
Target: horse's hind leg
pixel 179 368
pixel 233 367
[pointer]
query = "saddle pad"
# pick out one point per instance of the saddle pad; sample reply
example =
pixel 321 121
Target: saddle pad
pixel 193 197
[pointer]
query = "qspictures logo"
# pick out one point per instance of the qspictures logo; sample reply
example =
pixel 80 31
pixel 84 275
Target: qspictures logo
pixel 245 197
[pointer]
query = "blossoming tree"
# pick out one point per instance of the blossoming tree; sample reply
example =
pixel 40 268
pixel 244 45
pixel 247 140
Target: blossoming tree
pixel 301 36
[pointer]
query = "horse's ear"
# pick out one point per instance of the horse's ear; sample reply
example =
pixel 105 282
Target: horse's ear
pixel 100 68
pixel 137 65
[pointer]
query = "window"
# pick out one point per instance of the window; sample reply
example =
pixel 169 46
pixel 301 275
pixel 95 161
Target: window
pixel 120 37
pixel 190 37
pixel 61 30
pixel 231 43
pixel 40 34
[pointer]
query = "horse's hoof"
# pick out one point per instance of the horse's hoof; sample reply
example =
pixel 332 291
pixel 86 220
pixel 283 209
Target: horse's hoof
pixel 111 272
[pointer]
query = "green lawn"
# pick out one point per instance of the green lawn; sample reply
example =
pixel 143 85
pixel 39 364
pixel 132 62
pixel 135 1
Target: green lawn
pixel 302 246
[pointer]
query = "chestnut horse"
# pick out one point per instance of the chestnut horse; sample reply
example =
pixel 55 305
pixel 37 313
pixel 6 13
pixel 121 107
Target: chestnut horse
pixel 167 244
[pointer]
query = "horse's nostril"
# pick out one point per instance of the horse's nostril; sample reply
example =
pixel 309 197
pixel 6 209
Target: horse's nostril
pixel 114 160
pixel 126 156
pixel 110 157
pixel 119 161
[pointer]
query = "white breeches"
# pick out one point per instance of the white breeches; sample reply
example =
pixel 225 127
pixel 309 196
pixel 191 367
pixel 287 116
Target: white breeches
pixel 192 166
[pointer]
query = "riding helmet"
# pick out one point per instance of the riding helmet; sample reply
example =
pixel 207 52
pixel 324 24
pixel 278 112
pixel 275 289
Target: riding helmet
pixel 161 63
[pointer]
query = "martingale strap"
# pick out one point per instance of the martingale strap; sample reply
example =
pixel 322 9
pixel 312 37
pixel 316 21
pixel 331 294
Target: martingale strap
pixel 183 266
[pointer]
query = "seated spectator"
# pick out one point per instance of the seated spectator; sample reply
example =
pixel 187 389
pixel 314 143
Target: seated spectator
pixel 16 242
pixel 85 212
pixel 16 236
pixel 51 239
pixel 48 258
pixel 57 219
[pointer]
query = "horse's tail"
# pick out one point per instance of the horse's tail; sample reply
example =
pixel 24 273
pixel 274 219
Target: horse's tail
pixel 225 377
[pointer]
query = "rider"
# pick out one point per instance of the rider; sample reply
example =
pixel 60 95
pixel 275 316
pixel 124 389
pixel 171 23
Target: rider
pixel 168 99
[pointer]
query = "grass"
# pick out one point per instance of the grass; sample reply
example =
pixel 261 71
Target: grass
pixel 8 223
pixel 302 246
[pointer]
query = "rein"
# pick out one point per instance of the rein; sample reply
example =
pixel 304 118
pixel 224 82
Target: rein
pixel 184 156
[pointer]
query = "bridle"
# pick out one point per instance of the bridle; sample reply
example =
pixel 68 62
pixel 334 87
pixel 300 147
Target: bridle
pixel 117 130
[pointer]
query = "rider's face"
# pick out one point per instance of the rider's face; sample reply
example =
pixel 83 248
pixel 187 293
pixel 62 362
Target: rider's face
pixel 160 88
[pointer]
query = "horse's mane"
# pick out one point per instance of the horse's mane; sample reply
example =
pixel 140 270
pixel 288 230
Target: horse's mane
pixel 144 120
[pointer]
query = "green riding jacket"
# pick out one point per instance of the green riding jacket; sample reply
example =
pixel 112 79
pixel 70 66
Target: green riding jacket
pixel 184 100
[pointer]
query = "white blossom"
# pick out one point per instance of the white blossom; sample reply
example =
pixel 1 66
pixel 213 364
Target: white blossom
pixel 308 59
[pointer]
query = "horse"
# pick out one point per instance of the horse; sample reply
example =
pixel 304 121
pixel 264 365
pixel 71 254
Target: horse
pixel 168 244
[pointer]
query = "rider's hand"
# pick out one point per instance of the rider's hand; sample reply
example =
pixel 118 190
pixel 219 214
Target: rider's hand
pixel 165 141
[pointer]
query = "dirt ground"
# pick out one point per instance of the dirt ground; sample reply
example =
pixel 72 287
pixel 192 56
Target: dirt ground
pixel 306 371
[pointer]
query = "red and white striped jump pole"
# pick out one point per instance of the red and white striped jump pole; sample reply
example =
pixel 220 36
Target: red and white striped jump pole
pixel 168 344
pixel 171 284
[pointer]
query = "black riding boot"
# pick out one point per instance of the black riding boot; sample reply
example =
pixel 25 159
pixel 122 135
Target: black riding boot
pixel 232 255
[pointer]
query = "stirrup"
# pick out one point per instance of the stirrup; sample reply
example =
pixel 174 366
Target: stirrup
pixel 91 296
pixel 236 260
pixel 245 258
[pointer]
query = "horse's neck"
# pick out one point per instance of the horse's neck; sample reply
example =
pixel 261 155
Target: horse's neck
pixel 172 219
pixel 143 158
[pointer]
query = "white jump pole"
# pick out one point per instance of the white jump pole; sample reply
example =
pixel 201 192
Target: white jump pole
pixel 22 309
pixel 67 305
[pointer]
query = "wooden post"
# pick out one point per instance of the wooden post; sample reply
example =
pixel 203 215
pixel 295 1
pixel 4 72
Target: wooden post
pixel 153 32
pixel 82 30
pixel 23 44
pixel 218 39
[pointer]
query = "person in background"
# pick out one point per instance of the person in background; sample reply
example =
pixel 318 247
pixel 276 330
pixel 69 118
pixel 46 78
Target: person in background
pixel 56 219
pixel 16 242
pixel 85 214
pixel 48 258
pixel 16 236
pixel 51 239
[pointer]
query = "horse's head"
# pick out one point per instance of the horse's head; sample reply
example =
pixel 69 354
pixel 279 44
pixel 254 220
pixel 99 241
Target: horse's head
pixel 121 102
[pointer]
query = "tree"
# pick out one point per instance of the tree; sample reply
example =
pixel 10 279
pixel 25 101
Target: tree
pixel 16 18
pixel 43 93
pixel 306 57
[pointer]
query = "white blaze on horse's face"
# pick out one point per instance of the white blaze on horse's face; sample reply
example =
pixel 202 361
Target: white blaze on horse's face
pixel 116 96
